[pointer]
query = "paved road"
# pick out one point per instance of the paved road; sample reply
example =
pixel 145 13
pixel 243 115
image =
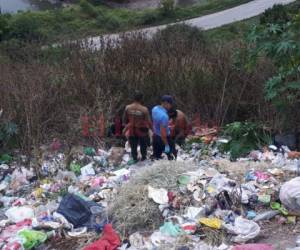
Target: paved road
pixel 207 22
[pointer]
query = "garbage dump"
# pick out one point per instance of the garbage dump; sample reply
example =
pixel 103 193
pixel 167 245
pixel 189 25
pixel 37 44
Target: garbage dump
pixel 95 199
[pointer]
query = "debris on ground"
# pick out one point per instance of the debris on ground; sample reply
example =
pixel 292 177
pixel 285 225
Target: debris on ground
pixel 90 198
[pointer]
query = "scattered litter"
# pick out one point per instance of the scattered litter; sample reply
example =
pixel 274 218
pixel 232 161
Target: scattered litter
pixel 201 201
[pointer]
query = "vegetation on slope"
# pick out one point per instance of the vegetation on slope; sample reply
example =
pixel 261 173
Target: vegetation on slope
pixel 85 19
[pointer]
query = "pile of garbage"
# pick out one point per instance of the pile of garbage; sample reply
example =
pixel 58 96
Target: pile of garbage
pixel 94 199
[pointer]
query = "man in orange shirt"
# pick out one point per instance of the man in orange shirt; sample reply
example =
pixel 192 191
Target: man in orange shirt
pixel 138 123
pixel 178 125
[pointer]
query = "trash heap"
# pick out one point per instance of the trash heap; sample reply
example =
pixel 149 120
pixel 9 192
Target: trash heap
pixel 93 199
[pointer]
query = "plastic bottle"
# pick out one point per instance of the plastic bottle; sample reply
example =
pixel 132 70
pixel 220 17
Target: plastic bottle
pixel 266 215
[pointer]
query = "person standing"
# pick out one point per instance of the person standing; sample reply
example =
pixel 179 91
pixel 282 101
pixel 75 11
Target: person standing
pixel 162 141
pixel 138 124
pixel 179 127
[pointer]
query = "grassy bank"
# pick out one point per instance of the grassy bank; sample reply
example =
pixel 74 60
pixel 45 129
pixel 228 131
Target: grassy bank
pixel 85 19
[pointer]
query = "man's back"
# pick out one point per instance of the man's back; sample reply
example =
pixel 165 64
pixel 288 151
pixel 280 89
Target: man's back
pixel 181 122
pixel 160 118
pixel 137 117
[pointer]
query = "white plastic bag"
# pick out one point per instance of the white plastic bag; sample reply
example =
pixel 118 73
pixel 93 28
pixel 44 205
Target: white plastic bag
pixel 88 170
pixel 159 196
pixel 244 229
pixel 194 213
pixel 17 214
pixel 290 194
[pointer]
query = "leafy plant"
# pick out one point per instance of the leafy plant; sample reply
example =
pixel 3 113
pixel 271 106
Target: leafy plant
pixel 7 131
pixel 280 42
pixel 88 8
pixel 4 28
pixel 244 137
pixel 277 14
pixel 167 7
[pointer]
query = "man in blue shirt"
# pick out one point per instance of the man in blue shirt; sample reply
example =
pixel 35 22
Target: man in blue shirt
pixel 161 131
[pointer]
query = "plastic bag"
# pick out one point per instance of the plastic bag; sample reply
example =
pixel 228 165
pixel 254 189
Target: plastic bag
pixel 88 170
pixel 32 238
pixel 244 229
pixel 136 240
pixel 194 213
pixel 290 194
pixel 17 214
pixel 218 184
pixel 66 176
pixel 75 168
pixel 171 229
pixel 89 151
pixel 109 240
pixel 159 196
pixel 211 222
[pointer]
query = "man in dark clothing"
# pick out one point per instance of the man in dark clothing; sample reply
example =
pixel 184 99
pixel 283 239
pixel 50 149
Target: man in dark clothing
pixel 162 141
pixel 138 123
pixel 179 127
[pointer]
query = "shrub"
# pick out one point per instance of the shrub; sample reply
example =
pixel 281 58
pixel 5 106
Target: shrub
pixel 112 22
pixel 148 17
pixel 4 28
pixel 27 26
pixel 244 137
pixel 182 32
pixel 46 94
pixel 167 7
pixel 276 14
pixel 8 130
pixel 88 8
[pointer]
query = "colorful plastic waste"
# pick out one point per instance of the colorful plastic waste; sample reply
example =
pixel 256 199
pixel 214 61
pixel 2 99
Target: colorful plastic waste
pixel 74 167
pixel 171 229
pixel 32 238
pixel 251 215
pixel 211 222
pixel 109 240
pixel 89 151
pixel 281 209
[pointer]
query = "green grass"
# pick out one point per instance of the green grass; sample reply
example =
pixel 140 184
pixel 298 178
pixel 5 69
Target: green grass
pixel 85 19
pixel 231 32
pixel 237 30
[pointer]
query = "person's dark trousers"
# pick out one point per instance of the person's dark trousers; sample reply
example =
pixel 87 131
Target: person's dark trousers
pixel 180 141
pixel 134 141
pixel 159 147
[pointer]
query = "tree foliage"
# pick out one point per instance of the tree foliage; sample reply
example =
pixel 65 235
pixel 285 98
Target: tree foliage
pixel 280 42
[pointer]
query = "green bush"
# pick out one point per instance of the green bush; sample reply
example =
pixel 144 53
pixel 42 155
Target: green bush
pixel 4 28
pixel 8 130
pixel 148 17
pixel 244 137
pixel 88 8
pixel 277 14
pixel 167 7
pixel 112 22
pixel 27 26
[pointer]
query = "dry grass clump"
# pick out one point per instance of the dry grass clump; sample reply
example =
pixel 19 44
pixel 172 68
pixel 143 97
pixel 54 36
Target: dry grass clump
pixel 132 210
